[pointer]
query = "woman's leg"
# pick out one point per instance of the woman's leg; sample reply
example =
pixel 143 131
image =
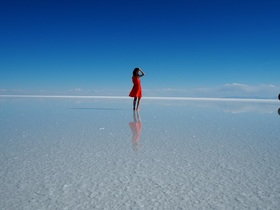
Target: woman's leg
pixel 138 103
pixel 134 102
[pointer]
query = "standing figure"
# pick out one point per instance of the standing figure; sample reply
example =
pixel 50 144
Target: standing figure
pixel 136 91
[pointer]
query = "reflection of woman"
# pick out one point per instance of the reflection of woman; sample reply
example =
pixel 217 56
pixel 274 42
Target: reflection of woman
pixel 136 128
pixel 279 96
pixel 136 90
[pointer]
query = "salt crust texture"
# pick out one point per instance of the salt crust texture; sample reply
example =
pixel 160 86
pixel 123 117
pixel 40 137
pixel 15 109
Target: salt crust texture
pixel 64 154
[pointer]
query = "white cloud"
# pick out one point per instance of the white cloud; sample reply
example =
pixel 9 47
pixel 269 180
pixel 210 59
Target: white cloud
pixel 234 90
pixel 250 91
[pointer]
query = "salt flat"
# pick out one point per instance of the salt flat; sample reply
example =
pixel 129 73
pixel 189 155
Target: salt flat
pixel 92 153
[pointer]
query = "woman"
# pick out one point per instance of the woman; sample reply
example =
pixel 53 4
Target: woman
pixel 136 91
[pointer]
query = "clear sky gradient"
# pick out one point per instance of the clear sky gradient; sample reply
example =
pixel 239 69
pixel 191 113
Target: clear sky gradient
pixel 186 48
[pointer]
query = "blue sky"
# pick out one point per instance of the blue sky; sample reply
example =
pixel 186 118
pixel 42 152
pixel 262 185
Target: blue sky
pixel 186 48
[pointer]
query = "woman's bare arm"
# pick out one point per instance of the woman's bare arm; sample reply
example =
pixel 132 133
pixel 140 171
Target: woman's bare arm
pixel 142 73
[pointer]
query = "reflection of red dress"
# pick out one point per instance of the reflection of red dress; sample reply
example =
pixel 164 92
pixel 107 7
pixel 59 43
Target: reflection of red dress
pixel 137 88
pixel 136 128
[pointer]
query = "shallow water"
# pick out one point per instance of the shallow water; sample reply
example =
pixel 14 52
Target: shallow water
pixel 99 154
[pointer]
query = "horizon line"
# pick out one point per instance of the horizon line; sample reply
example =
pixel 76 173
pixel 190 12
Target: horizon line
pixel 147 97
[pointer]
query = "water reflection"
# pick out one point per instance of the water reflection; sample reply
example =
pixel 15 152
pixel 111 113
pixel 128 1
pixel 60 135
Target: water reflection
pixel 279 111
pixel 136 128
pixel 233 106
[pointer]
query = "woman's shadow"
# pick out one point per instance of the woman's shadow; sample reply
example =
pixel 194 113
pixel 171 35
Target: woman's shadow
pixel 136 128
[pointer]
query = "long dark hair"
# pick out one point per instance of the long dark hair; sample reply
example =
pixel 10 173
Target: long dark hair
pixel 135 71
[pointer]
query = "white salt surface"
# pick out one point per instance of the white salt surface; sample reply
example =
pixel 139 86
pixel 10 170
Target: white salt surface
pixel 90 154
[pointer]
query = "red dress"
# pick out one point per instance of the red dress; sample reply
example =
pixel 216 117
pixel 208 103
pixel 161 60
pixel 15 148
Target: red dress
pixel 136 90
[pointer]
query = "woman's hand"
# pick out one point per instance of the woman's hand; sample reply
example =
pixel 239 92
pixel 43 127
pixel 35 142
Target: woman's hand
pixel 142 73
